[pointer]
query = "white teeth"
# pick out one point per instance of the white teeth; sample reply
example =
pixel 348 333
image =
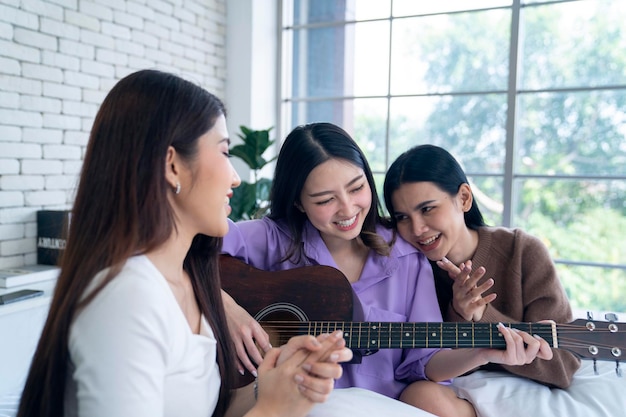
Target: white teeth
pixel 347 223
pixel 429 241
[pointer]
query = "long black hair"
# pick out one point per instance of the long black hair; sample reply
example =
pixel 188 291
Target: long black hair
pixel 305 148
pixel 429 163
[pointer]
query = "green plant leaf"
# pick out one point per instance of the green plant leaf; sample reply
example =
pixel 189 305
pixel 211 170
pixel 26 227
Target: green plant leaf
pixel 255 143
pixel 251 200
pixel 243 202
pixel 246 153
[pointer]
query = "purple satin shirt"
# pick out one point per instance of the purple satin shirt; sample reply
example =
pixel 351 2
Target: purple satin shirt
pixel 397 288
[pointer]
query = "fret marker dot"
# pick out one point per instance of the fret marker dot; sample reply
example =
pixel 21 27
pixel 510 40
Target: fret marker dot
pixel 433 334
pixel 407 334
pixel 464 334
pixel 346 334
pixel 374 327
pixel 373 342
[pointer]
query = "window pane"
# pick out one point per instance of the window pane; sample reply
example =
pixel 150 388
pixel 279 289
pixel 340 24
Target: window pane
pixel 319 62
pixel 370 9
pixel 451 53
pixel 539 1
pixel 370 131
pixel 572 133
pixel 594 289
pixel 331 111
pixel 471 126
pixel 363 119
pixel 323 11
pixel 573 44
pixel 371 59
pixel 582 220
pixel 316 11
pixel 488 195
pixel 338 61
pixel 415 7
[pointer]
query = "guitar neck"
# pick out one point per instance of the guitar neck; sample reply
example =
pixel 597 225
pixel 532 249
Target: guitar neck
pixel 394 335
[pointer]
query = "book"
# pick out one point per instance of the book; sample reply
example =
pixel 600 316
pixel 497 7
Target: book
pixel 29 274
pixel 52 226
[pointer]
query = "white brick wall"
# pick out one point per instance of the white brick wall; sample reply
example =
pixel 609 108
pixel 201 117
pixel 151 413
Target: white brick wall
pixel 58 59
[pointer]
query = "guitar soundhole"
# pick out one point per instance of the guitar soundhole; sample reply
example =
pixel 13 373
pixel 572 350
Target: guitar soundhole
pixel 617 352
pixel 279 312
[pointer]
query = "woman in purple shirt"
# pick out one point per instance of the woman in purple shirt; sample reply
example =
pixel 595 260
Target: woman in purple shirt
pixel 325 211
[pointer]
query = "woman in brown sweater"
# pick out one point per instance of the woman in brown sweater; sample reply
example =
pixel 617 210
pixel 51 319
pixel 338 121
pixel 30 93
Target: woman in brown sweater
pixel 432 206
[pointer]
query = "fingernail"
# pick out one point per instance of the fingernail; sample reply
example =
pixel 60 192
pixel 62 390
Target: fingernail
pixel 334 357
pixel 298 378
pixel 255 374
pixel 536 336
pixel 444 260
pixel 269 346
pixel 241 371
pixel 338 334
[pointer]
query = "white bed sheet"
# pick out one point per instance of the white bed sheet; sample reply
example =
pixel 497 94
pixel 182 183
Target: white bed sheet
pixel 494 394
pixel 498 394
pixel 345 402
pixel 357 402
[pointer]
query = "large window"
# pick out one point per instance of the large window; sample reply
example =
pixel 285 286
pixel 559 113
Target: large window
pixel 530 96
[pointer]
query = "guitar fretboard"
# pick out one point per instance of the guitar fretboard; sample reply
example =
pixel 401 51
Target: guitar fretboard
pixel 390 335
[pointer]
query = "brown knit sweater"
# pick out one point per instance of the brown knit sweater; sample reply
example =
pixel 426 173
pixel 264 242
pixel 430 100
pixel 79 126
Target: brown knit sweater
pixel 528 290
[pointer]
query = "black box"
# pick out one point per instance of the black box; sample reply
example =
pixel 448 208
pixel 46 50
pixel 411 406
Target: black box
pixel 52 226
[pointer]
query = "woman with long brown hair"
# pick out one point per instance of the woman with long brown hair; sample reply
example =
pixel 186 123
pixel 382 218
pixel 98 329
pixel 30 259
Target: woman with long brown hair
pixel 136 324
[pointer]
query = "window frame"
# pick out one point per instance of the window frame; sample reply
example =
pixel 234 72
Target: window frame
pixel 513 93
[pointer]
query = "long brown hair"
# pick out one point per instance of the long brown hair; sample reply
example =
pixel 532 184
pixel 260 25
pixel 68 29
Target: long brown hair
pixel 121 209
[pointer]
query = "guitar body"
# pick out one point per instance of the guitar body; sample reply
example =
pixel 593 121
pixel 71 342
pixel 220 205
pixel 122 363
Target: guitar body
pixel 303 294
pixel 300 295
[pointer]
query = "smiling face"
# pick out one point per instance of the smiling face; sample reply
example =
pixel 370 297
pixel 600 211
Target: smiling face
pixel 206 184
pixel 336 197
pixel 433 220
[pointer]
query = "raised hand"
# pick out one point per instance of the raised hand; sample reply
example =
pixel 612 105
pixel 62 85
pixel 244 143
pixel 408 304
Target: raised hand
pixel 468 300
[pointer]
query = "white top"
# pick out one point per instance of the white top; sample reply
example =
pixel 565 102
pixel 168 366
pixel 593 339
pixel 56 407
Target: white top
pixel 133 354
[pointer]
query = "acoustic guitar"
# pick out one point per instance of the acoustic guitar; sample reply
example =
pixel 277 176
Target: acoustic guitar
pixel 319 299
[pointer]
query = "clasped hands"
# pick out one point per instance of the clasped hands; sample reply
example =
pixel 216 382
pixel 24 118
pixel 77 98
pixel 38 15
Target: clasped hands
pixel 306 364
pixel 468 302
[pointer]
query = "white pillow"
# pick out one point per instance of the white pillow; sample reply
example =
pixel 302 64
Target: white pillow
pixel 497 394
